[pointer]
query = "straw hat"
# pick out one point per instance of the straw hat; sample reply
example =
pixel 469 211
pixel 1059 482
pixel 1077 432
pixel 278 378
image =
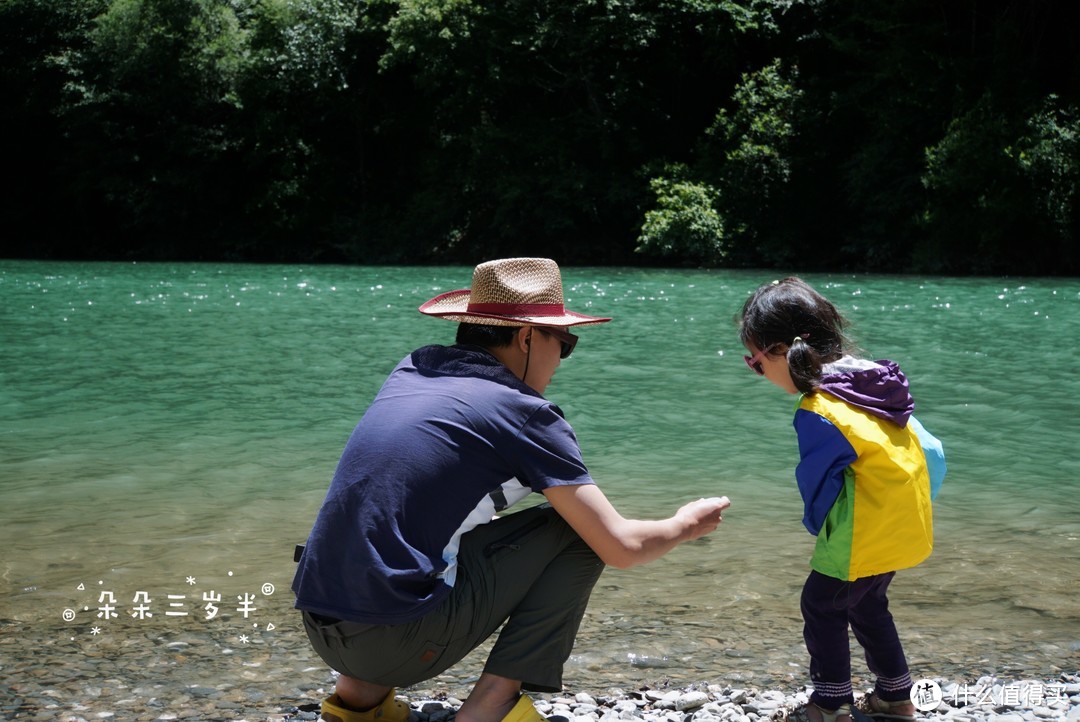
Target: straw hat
pixel 510 292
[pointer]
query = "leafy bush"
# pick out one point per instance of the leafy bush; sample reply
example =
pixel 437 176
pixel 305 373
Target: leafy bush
pixel 717 211
pixel 685 226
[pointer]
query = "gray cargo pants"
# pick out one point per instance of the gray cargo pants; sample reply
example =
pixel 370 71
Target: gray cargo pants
pixel 528 569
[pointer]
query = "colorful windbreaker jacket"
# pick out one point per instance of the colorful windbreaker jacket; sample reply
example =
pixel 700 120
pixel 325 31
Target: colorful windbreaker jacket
pixel 868 471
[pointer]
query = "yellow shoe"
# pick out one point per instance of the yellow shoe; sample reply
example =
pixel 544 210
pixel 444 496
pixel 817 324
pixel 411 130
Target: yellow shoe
pixel 389 710
pixel 524 711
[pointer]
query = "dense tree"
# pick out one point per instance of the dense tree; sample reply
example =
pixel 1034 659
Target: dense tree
pixel 891 82
pixel 302 120
pixel 938 135
pixel 535 118
pixel 729 207
pixel 1005 179
pixel 39 41
pixel 911 135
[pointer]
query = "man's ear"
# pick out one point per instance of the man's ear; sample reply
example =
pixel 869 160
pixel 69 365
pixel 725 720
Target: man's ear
pixel 524 338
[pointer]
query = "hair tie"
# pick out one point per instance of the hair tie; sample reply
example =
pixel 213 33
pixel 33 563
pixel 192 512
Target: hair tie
pixel 800 337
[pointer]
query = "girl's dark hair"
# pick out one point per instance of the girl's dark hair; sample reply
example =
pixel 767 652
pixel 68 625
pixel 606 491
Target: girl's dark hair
pixel 475 334
pixel 791 313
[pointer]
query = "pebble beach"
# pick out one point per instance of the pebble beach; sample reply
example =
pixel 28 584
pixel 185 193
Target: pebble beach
pixel 46 676
pixel 987 699
pixel 740 663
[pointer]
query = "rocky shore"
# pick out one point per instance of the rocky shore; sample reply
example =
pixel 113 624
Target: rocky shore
pixel 987 699
pixel 138 673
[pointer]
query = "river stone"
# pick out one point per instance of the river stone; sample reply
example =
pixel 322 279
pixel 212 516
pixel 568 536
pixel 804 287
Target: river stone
pixel 691 700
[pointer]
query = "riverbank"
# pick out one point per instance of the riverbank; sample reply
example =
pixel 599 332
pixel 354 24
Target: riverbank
pixel 987 699
pixel 134 672
pixel 161 670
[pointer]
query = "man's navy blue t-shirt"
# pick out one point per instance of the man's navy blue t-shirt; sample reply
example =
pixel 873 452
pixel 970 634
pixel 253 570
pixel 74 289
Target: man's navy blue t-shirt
pixel 451 438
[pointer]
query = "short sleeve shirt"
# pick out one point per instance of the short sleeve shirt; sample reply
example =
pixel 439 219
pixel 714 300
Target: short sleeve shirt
pixel 451 439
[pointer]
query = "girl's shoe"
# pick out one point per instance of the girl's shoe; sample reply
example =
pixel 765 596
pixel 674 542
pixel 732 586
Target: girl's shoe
pixel 811 712
pixel 879 709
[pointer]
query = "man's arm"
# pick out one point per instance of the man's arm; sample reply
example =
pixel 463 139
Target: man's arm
pixel 624 543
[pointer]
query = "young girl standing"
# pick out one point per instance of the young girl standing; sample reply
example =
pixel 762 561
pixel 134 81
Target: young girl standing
pixel 867 474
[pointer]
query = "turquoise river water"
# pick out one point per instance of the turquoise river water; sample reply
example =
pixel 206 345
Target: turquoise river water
pixel 167 433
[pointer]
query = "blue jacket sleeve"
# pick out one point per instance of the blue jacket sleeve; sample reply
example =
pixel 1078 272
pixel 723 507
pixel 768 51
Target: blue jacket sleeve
pixel 824 455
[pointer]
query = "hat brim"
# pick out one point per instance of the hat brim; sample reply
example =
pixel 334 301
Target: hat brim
pixel 454 305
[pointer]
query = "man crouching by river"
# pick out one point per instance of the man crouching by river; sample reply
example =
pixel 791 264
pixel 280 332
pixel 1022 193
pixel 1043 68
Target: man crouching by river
pixel 407 569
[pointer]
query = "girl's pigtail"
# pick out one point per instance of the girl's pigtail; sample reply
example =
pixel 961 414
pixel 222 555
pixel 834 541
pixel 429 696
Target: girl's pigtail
pixel 804 364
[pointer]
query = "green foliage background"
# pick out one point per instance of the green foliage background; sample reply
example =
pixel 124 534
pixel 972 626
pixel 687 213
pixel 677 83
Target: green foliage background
pixel 818 134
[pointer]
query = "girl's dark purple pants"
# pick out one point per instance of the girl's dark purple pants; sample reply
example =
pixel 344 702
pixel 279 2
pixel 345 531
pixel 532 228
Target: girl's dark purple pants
pixel 829 606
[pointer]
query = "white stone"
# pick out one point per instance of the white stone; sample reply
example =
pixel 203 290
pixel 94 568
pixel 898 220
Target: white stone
pixel 665 703
pixel 691 700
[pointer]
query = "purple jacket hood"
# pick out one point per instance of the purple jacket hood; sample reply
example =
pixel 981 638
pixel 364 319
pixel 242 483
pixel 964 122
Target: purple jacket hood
pixel 879 388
